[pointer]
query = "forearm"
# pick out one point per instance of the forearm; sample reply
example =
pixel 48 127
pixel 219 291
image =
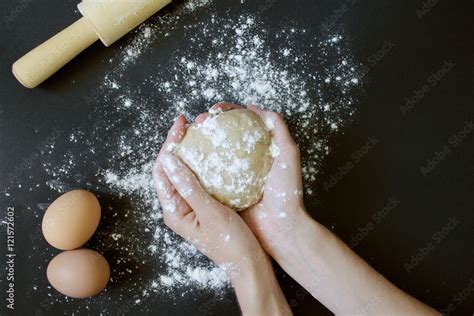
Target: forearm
pixel 258 291
pixel 340 279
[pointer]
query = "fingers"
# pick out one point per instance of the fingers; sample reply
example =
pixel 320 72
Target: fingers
pixel 277 125
pixel 163 186
pixel 201 118
pixel 222 107
pixel 173 206
pixel 176 133
pixel 216 108
pixel 188 186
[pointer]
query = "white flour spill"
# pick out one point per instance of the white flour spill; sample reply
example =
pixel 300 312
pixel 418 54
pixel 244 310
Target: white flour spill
pixel 148 32
pixel 311 79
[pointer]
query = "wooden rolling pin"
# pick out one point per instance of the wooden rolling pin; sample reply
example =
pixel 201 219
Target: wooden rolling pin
pixel 107 20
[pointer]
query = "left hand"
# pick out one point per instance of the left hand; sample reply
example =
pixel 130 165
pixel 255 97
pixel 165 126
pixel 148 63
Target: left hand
pixel 215 229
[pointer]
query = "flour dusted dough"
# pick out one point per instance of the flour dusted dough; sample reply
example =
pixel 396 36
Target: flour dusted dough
pixel 230 155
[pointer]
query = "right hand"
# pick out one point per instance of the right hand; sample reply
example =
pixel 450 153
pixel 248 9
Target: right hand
pixel 281 209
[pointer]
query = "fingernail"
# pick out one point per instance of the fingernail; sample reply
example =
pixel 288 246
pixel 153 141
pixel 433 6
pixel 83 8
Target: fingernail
pixel 215 111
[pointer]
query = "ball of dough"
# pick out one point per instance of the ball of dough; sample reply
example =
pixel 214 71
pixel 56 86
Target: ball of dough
pixel 230 153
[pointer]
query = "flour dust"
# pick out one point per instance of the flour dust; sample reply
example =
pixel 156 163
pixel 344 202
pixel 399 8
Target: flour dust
pixel 312 79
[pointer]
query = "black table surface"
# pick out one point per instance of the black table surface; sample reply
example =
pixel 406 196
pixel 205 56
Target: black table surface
pixel 443 35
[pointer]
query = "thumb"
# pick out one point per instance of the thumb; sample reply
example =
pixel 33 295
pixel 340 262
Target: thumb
pixel 188 186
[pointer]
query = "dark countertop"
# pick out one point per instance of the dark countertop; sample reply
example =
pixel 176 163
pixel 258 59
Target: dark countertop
pixel 424 246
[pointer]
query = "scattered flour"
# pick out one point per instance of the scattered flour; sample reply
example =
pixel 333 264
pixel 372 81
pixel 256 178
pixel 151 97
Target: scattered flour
pixel 246 65
pixel 311 79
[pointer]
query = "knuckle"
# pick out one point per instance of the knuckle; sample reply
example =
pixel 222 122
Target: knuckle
pixel 219 105
pixel 170 221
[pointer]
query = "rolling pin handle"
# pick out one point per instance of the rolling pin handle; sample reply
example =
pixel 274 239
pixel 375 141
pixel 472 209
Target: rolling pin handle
pixel 44 60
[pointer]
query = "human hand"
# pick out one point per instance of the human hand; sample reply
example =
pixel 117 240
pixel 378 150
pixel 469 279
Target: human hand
pixel 216 230
pixel 309 252
pixel 213 228
pixel 281 208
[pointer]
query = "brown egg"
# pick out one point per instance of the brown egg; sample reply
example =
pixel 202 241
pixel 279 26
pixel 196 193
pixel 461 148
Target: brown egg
pixel 78 273
pixel 71 220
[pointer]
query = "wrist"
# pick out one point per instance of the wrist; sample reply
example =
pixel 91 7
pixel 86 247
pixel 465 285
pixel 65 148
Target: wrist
pixel 302 235
pixel 250 270
pixel 258 290
pixel 294 231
